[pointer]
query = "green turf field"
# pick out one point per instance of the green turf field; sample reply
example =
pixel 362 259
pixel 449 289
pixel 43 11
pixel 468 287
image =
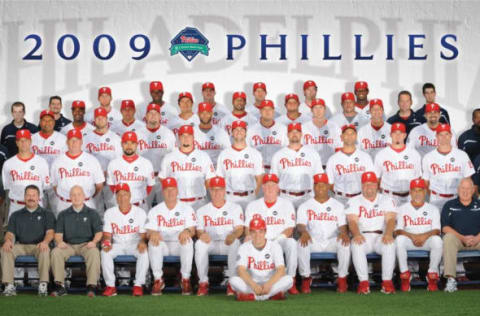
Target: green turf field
pixel 325 302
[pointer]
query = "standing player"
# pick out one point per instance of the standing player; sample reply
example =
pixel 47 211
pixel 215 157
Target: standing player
pixel 239 100
pixel 310 92
pixel 321 134
pixel 349 115
pixel 259 93
pixel 170 228
pixel 241 166
pixel 469 141
pixel 423 137
pixel 294 166
pixel 167 111
pixel 128 123
pixel 279 215
pixel 48 143
pixel 218 110
pixel 371 220
pixel 374 137
pixel 430 95
pixel 186 116
pixel 361 94
pixel 190 167
pixel 78 113
pixel 293 115
pixel 405 114
pixel 132 169
pixel 445 167
pixel 9 131
pixel 322 226
pixel 260 266
pixel 22 170
pixel 397 165
pixel 418 228
pixel 124 234
pixel 346 166
pixel 219 228
pixel 105 100
pixel 208 137
pixel 267 136
pixel 55 106
pixel 75 167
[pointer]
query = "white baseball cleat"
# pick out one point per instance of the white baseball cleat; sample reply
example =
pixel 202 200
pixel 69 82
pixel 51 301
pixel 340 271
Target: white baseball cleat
pixel 451 285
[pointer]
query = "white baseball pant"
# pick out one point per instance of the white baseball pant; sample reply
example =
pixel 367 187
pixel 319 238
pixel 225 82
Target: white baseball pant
pixel 197 203
pixel 156 195
pixel 373 243
pixel 289 247
pixel 398 200
pixel 15 206
pixel 241 200
pixel 296 200
pixel 62 205
pixel 433 244
pixel 171 248
pixel 439 201
pixel 282 285
pixel 217 247
pixel 108 268
pixel 330 245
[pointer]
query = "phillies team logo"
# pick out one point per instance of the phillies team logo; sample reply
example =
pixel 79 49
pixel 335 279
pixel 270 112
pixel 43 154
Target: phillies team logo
pixel 189 42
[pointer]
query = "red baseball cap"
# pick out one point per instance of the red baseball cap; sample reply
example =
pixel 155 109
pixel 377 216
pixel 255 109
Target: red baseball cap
pixel 320 178
pixel 309 83
pixel 291 96
pixel 443 128
pixel 351 126
pixel 156 85
pixel 317 101
pixel 153 106
pixel 208 85
pixel 259 85
pixel 369 176
pixel 100 112
pixel 74 133
pixel 185 129
pixel 294 126
pixel 239 123
pixel 23 133
pixel 205 107
pixel 122 186
pixel 348 96
pixel 78 104
pixel 432 107
pixel 103 90
pixel 269 177
pixel 185 95
pixel 217 182
pixel 127 104
pixel 398 127
pixel 418 183
pixel 169 183
pixel 129 136
pixel 374 102
pixel 47 112
pixel 257 223
pixel 361 85
pixel 239 94
pixel 266 103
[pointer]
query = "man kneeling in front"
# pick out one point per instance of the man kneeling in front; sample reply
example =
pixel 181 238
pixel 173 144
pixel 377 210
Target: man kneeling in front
pixel 261 268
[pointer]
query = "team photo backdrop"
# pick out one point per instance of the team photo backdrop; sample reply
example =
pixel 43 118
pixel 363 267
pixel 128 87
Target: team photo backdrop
pixel 70 48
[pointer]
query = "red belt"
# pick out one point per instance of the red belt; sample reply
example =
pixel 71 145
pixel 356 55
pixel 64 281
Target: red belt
pixel 18 202
pixel 139 203
pixel 191 199
pixel 302 193
pixel 69 201
pixel 244 193
pixel 348 195
pixel 266 167
pixel 397 193
pixel 372 232
pixel 443 195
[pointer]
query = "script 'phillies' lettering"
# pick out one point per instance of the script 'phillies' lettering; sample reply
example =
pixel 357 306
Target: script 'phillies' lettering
pixel 367 144
pixel 269 140
pixel 310 140
pixel 91 147
pixel 154 144
pixel 448 167
pixel 172 222
pixel 188 166
pixel 322 216
pixel 298 162
pixel 425 141
pixel 24 176
pixel 75 172
pixel 125 229
pixel 400 165
pixel 272 220
pixel 419 221
pixel 219 221
pixel 206 146
pixel 370 213
pixel 351 168
pixel 260 265
pixel 230 164
pixel 46 150
pixel 128 176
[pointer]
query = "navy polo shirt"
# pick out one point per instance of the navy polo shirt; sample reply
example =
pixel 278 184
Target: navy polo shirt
pixel 410 122
pixel 9 134
pixel 30 227
pixel 469 142
pixel 476 175
pixel 464 219
pixel 444 117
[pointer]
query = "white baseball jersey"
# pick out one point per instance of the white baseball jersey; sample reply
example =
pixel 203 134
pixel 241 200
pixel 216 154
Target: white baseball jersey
pixel 322 219
pixel 424 139
pixel 176 122
pixel 228 119
pixel 167 112
pixel 295 169
pixel 49 148
pixel 418 221
pixel 345 171
pixel 85 128
pixel 18 173
pixel 324 140
pixel 219 111
pixel 125 228
pixel 113 116
pixel 306 109
pixel 372 140
pixel 285 120
pixel 212 142
pixel 444 171
pixel 267 140
pixel 371 214
pixel 155 144
pixel 138 174
pixel 365 111
pixel 358 120
pixel 261 264
pixel 170 223
pixel 239 168
pixel 190 170
pixel 104 147
pixel 83 170
pixel 278 217
pixel 120 127
pixel 255 112
pixel 397 168
pixel 219 222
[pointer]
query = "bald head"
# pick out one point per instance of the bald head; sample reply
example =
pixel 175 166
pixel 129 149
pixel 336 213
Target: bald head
pixel 466 189
pixel 77 196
